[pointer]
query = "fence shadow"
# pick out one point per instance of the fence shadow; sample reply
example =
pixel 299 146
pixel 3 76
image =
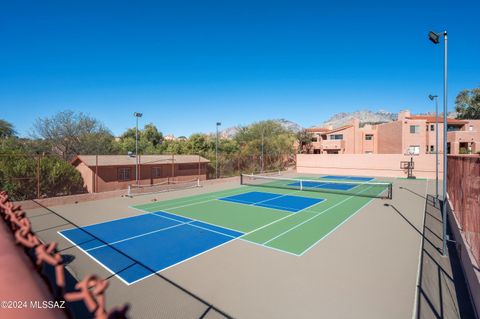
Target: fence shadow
pixel 442 290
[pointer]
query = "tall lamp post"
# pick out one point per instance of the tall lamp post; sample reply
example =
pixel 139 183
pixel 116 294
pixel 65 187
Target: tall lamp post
pixel 216 150
pixel 137 115
pixel 263 161
pixel 435 38
pixel 435 98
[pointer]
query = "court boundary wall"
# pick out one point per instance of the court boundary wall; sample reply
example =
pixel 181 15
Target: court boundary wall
pixel 74 199
pixel 377 165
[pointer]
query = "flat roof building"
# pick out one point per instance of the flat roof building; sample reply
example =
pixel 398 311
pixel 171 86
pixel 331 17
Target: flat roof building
pixel 102 173
pixel 409 134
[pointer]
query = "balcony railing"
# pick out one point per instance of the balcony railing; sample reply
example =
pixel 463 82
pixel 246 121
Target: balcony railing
pixel 333 144
pixel 463 136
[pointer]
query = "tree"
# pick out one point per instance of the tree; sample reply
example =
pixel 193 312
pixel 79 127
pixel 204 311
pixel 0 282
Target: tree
pixel 70 133
pixel 265 142
pixel 304 140
pixel 150 140
pixel 152 135
pixel 6 129
pixel 19 172
pixel 467 104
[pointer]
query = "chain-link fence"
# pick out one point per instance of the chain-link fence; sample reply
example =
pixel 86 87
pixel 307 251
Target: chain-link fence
pixel 27 176
pixel 33 176
pixel 234 164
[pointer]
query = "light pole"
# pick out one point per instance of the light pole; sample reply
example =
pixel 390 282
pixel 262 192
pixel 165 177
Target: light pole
pixel 434 37
pixel 435 98
pixel 263 133
pixel 137 115
pixel 216 150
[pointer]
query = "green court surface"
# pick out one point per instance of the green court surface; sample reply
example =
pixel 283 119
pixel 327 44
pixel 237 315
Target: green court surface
pixel 290 232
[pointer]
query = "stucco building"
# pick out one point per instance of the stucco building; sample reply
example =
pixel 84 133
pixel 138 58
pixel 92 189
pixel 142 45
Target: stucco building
pixel 102 173
pixel 410 134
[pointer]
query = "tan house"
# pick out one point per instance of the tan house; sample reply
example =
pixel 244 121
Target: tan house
pixel 410 134
pixel 347 139
pixel 103 173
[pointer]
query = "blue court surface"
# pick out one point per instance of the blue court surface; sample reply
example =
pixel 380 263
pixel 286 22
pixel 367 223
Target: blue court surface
pixel 275 201
pixel 322 185
pixel 349 178
pixel 136 247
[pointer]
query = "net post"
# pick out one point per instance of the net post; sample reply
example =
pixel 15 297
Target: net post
pixel 390 191
pixel 241 179
pixel 198 182
pixel 301 185
pixel 129 192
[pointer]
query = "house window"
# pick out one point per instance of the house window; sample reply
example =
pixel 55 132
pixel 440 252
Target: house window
pixel 414 129
pixel 452 128
pixel 414 149
pixel 432 127
pixel 124 174
pixel 336 137
pixel 156 172
pixel 432 148
pixel 187 166
pixel 369 137
pixel 314 139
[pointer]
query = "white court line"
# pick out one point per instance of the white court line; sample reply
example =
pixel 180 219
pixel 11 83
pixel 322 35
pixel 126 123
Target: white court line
pixel 266 200
pixel 176 220
pixel 180 262
pixel 233 238
pixel 336 227
pixel 212 198
pixel 214 231
pixel 272 208
pixel 193 219
pixel 313 217
pixel 279 208
pixel 95 259
pixel 138 236
pixel 417 281
pixel 268 247
pixel 116 274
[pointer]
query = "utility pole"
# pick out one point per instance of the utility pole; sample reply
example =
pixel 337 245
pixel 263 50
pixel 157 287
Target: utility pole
pixel 216 150
pixel 137 115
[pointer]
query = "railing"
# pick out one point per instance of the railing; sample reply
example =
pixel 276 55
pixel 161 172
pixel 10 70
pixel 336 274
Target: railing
pixel 333 144
pixel 463 136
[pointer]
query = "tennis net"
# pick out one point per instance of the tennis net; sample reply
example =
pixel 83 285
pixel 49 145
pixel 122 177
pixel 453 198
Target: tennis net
pixel 165 186
pixel 365 189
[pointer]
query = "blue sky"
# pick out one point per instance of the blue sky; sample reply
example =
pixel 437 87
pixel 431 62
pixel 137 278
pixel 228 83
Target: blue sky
pixel 189 64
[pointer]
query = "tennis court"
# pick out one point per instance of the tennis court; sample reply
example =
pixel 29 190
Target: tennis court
pixel 284 214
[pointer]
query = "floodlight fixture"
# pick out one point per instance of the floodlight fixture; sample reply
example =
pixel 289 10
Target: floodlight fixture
pixel 434 37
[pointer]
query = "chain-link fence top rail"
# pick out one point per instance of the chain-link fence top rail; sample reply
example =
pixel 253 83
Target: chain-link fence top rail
pixel 464 194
